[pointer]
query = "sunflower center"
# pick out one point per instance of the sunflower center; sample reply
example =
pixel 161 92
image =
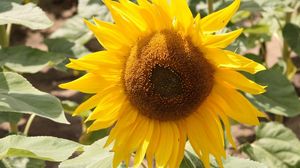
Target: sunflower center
pixel 166 82
pixel 166 77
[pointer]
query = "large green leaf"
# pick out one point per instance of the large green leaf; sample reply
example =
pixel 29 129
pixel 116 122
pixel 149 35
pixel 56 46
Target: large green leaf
pixel 90 8
pixel 43 147
pixel 10 117
pixel 276 146
pixel 28 15
pixel 191 161
pixel 280 98
pixel 66 47
pixel 94 156
pixel 19 162
pixel 74 30
pixel 19 96
pixel 27 60
pixel 291 34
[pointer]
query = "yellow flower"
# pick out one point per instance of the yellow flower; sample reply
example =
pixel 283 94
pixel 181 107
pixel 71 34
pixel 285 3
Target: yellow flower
pixel 165 78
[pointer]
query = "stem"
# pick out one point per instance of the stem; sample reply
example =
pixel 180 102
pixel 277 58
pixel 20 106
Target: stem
pixel 13 128
pixel 32 1
pixel 8 30
pixel 4 42
pixel 279 118
pixel 210 6
pixel 6 163
pixel 286 52
pixel 28 124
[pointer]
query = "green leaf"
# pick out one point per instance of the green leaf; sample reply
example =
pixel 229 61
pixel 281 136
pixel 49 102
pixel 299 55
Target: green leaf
pixel 250 6
pixel 291 34
pixel 240 16
pixel 64 46
pixel 231 162
pixel 257 29
pixel 275 146
pixel 280 98
pixel 19 96
pixel 10 117
pixel 28 15
pixel 43 147
pixel 18 162
pixel 74 30
pixel 190 160
pixel 94 156
pixel 27 60
pixel 90 8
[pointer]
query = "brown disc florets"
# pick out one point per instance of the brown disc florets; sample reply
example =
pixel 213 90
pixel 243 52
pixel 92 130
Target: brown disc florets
pixel 166 77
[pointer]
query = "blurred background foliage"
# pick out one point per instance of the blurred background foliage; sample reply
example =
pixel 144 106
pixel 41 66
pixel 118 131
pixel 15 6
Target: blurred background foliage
pixel 37 37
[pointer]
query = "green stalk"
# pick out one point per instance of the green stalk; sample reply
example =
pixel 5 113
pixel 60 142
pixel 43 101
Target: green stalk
pixel 210 6
pixel 6 163
pixel 279 118
pixel 286 54
pixel 4 38
pixel 28 124
pixel 13 128
pixel 32 1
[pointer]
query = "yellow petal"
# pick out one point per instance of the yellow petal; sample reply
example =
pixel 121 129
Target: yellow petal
pixel 197 139
pixel 182 141
pixel 88 104
pixel 144 14
pixel 119 156
pixel 245 63
pixel 158 16
pixel 163 4
pixel 126 120
pixel 175 152
pixel 221 40
pixel 124 134
pixel 230 60
pixel 101 124
pixel 124 25
pixel 225 120
pixel 238 81
pixel 153 144
pixel 114 29
pixel 213 134
pixel 235 105
pixel 106 70
pixel 140 154
pixel 88 83
pixel 108 38
pixel 131 12
pixel 219 19
pixel 110 105
pixel 182 12
pixel 165 145
pixel 139 135
pixel 103 57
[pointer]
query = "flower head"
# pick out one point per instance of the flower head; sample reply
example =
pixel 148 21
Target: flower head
pixel 164 77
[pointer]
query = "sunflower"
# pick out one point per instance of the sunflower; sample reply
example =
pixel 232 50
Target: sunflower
pixel 165 78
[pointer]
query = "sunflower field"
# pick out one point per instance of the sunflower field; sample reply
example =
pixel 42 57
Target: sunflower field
pixel 149 83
